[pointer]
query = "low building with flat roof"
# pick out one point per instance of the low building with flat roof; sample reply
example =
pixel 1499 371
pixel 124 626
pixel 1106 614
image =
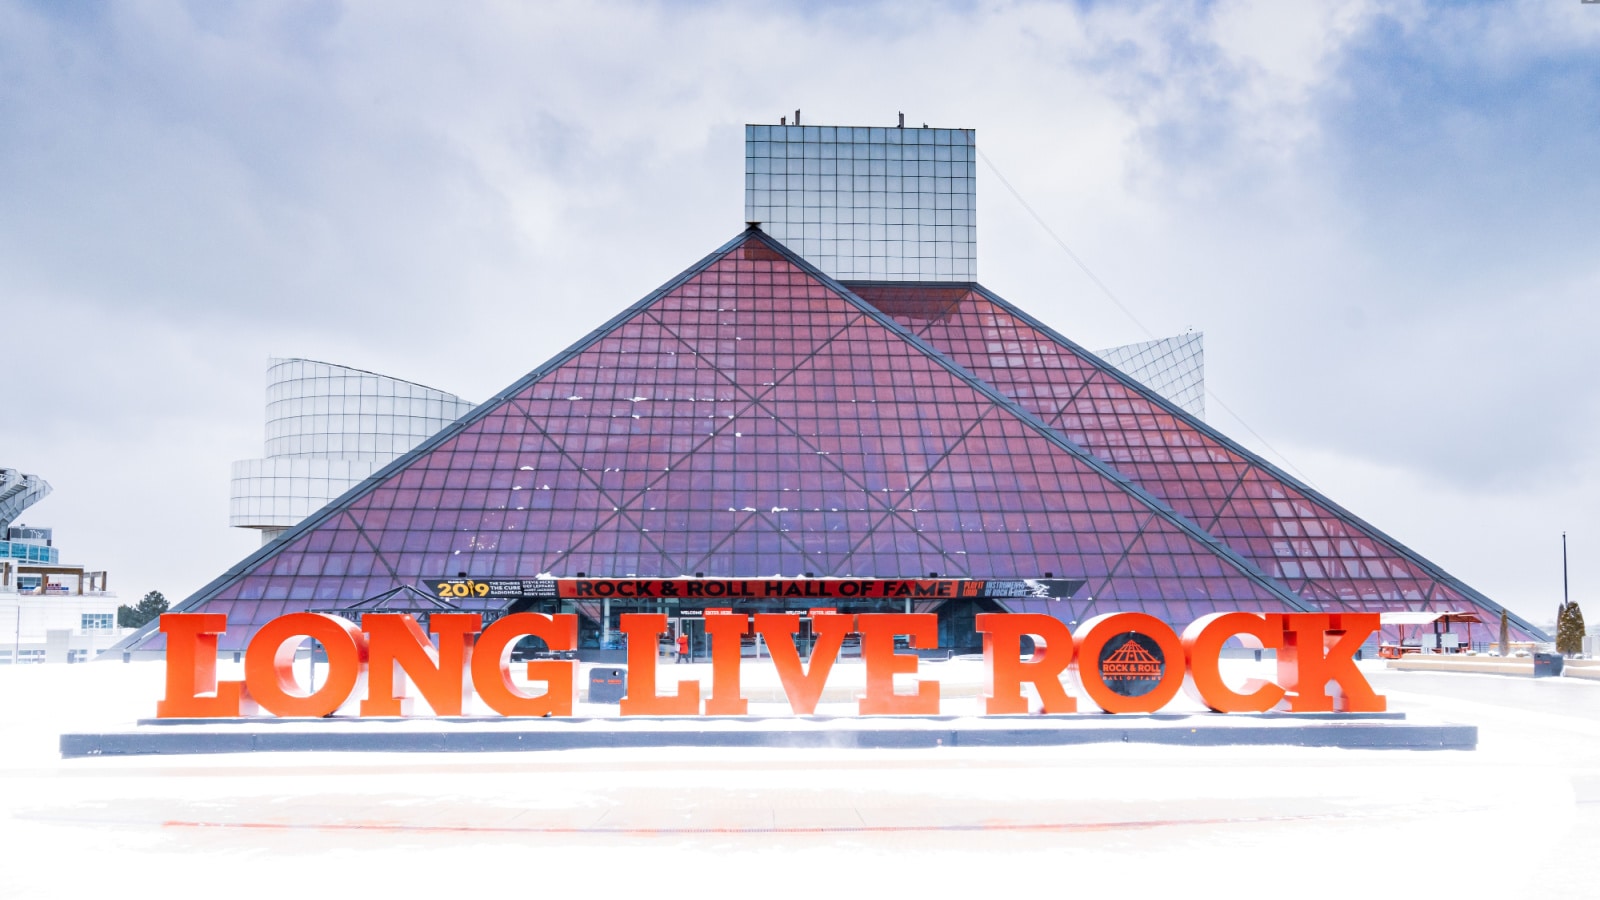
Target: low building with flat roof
pixel 50 610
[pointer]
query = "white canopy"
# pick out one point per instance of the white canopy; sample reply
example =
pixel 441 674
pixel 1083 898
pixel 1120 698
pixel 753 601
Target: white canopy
pixel 1426 618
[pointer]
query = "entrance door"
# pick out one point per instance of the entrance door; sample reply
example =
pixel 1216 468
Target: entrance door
pixel 695 628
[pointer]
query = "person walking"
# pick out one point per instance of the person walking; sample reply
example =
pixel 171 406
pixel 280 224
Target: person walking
pixel 683 647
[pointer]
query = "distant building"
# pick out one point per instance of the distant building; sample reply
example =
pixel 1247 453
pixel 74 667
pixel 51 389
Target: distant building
pixel 329 428
pixel 50 611
pixel 17 493
pixel 1174 367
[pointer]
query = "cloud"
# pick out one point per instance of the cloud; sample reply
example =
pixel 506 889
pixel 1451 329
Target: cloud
pixel 1375 210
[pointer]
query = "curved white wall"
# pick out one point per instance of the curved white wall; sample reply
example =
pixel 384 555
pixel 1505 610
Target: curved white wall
pixel 328 428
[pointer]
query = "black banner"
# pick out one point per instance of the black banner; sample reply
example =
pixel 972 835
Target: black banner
pixel 749 588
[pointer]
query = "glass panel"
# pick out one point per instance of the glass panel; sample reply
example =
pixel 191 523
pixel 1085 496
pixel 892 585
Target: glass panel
pixel 753 421
pixel 1284 531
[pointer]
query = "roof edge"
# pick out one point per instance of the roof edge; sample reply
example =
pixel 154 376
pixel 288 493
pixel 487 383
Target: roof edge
pixel 336 506
pixel 1155 504
pixel 1256 459
pixel 274 361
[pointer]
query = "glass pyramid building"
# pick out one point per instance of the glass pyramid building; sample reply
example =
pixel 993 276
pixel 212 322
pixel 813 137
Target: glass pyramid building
pixel 755 417
pixel 1304 541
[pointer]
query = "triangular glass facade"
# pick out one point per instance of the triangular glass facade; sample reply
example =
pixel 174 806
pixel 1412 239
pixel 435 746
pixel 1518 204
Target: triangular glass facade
pixel 1290 532
pixel 752 418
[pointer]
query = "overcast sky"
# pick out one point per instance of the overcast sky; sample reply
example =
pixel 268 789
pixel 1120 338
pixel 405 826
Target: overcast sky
pixel 1382 215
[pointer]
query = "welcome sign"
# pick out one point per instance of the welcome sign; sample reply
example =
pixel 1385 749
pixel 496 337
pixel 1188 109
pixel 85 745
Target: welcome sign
pixel 1125 662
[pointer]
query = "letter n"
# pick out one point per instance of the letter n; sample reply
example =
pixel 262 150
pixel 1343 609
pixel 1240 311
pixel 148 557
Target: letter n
pixel 395 642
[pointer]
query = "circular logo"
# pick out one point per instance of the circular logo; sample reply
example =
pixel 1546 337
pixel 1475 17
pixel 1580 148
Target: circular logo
pixel 1131 664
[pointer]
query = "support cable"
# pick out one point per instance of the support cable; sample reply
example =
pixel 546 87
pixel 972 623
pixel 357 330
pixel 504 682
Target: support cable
pixel 1111 295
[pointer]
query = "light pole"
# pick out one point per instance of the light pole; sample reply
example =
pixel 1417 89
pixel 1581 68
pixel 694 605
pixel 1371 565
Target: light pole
pixel 1564 598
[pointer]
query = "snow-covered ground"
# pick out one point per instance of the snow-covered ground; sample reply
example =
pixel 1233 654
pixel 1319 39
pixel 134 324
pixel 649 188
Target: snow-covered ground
pixel 1520 816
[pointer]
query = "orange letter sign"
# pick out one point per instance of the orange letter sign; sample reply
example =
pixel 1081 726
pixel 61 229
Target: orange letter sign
pixel 803 688
pixel 192 688
pixel 878 632
pixel 1130 663
pixel 491 665
pixel 1002 657
pixel 1123 662
pixel 394 641
pixel 1202 647
pixel 269 664
pixel 727 632
pixel 1319 648
pixel 644 632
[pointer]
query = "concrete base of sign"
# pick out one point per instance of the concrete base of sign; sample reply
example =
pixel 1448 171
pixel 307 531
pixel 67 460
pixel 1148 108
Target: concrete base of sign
pixel 1582 668
pixel 1382 731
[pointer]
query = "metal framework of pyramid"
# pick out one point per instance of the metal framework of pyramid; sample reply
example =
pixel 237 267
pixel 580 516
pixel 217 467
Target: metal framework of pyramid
pixel 1291 532
pixel 754 417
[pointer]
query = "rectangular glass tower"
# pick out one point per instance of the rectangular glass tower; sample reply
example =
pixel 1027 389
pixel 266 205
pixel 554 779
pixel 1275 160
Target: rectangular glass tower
pixel 887 204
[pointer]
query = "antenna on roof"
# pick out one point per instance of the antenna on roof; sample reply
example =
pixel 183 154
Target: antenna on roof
pixel 783 120
pixel 797 117
pixel 902 121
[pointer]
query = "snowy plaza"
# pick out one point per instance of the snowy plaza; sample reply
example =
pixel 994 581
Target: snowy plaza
pixel 1520 815
pixel 530 449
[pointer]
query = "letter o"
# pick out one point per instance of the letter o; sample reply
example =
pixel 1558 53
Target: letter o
pixel 269 664
pixel 1099 631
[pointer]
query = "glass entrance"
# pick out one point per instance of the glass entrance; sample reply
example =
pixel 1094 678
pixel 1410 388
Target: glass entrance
pixel 695 628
